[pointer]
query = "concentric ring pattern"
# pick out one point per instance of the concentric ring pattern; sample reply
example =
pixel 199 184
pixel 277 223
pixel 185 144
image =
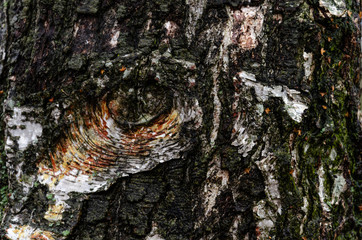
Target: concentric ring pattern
pixel 99 146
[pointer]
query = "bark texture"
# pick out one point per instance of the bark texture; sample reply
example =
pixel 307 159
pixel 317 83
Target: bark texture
pixel 195 119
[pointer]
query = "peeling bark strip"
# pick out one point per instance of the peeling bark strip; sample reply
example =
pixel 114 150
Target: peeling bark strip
pixel 196 119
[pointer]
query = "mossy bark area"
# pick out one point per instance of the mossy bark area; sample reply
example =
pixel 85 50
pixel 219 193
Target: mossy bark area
pixel 264 96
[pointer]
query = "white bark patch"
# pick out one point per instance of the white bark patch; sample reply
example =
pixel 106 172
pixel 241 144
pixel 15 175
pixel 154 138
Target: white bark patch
pixel 234 228
pixel 185 64
pixel 56 114
pixel 76 29
pixel 149 23
pixel 333 154
pixel 74 182
pixel 266 217
pixel 294 162
pixel 2 53
pixel 339 186
pixel 305 205
pixel 247 26
pixel 171 28
pixel 114 39
pixel 26 232
pixel 243 140
pixel 153 235
pixel 240 136
pixel 267 167
pixel 196 9
pixel 3 30
pixel 114 35
pixel 223 64
pixel 335 7
pixel 305 210
pixel 212 187
pixel 27 130
pixel 127 72
pixel 306 147
pixel 227 34
pixel 266 211
pixel 295 104
pixel 192 113
pixel 321 191
pixel 324 200
pixel 217 112
pixel 308 67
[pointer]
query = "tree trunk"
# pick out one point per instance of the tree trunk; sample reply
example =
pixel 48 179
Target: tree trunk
pixel 195 119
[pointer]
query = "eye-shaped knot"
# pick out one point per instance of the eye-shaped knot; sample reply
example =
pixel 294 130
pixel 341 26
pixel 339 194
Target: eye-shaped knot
pixel 128 130
pixel 123 133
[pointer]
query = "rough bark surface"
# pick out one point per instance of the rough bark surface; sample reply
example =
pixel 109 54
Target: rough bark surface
pixel 195 119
